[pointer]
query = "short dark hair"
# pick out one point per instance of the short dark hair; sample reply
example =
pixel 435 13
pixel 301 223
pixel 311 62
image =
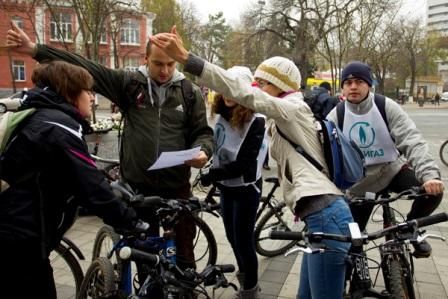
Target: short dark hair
pixel 65 79
pixel 325 85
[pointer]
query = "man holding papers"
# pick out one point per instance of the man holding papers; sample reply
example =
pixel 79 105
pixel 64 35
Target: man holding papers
pixel 163 112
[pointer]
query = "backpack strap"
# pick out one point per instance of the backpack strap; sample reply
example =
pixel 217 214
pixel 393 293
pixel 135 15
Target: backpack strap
pixel 380 102
pixel 301 151
pixel 340 112
pixel 188 95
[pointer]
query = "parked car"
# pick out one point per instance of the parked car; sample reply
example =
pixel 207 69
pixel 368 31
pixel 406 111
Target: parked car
pixel 444 96
pixel 10 103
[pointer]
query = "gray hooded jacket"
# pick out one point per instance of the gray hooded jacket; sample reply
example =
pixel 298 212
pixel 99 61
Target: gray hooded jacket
pixel 408 140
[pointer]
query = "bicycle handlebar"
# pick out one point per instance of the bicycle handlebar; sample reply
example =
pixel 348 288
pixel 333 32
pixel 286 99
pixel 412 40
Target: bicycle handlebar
pixel 319 236
pixel 212 274
pixel 408 194
pixel 133 254
pixel 430 220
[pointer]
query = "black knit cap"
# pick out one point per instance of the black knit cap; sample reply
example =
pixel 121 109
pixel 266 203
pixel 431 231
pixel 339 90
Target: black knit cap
pixel 357 69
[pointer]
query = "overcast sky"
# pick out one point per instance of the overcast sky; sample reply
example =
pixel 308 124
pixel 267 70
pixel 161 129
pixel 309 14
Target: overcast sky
pixel 233 8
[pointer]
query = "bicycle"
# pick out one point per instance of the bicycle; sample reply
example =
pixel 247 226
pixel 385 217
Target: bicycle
pixel 395 259
pixel 271 215
pixel 204 243
pixel 67 271
pixel 395 251
pixel 106 276
pixel 443 153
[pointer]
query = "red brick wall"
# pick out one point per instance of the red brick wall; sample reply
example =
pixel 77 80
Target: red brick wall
pixel 7 11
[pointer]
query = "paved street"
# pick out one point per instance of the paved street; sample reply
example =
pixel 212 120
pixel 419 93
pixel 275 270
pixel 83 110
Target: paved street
pixel 279 276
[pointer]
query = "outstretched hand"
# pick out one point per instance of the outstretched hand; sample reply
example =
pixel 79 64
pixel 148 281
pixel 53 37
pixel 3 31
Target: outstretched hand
pixel 171 43
pixel 18 41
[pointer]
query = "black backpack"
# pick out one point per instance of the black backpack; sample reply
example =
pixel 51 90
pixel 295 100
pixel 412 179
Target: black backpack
pixel 320 103
pixel 136 88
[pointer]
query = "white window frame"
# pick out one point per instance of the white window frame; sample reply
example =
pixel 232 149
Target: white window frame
pixel 130 32
pixel 131 63
pixel 64 20
pixel 102 60
pixel 18 67
pixel 103 36
pixel 18 21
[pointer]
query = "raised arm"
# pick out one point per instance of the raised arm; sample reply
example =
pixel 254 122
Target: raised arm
pixel 110 83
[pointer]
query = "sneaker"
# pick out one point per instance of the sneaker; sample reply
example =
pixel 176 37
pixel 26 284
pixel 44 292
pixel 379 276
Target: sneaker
pixel 422 249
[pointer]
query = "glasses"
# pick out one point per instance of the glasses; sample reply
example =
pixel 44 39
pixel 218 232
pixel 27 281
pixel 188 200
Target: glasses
pixel 262 83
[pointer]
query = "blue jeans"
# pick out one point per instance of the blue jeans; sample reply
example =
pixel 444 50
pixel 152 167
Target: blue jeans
pixel 322 275
pixel 239 209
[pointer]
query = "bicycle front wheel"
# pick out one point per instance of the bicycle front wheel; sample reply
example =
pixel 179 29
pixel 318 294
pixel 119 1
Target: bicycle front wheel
pixel 398 279
pixel 279 218
pixel 444 153
pixel 104 242
pixel 204 243
pixel 67 272
pixel 99 281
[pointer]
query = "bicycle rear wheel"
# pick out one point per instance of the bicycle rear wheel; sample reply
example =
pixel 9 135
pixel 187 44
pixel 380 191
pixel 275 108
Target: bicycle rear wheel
pixel 67 272
pixel 99 281
pixel 279 218
pixel 444 153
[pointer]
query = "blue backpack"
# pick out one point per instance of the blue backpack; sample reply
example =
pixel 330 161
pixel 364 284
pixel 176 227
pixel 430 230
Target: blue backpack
pixel 344 159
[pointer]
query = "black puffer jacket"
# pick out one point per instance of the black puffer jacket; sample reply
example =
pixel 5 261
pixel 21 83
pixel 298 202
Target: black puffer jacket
pixel 50 173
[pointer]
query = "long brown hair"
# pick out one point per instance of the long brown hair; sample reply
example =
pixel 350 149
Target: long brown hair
pixel 240 115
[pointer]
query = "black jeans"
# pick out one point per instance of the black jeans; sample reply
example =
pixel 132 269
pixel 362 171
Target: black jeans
pixel 239 209
pixel 24 272
pixel 405 179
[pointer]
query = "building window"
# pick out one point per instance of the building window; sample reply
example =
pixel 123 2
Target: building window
pixel 18 67
pixel 102 60
pixel 61 27
pixel 130 32
pixel 131 63
pixel 18 21
pixel 103 37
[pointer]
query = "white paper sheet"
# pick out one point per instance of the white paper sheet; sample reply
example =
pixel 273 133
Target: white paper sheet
pixel 168 159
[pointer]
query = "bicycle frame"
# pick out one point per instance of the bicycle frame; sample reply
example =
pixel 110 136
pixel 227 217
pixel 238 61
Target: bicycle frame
pixel 405 228
pixel 267 201
pixel 150 244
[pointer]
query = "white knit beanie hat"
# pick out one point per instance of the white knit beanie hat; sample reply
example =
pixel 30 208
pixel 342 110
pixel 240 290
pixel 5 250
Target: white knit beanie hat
pixel 281 72
pixel 242 72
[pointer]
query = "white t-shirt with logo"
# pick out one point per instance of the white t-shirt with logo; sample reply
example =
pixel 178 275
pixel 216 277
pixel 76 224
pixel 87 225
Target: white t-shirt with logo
pixel 372 136
pixel 228 143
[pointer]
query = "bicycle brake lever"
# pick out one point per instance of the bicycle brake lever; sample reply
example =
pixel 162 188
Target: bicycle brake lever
pixel 304 250
pixel 429 236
